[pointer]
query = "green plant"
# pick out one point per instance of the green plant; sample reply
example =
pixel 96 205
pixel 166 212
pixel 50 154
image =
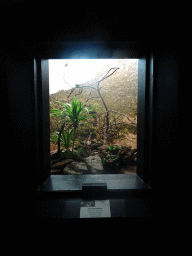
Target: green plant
pixel 111 156
pixel 114 148
pixel 74 113
pixel 108 158
pixel 65 138
pixel 78 152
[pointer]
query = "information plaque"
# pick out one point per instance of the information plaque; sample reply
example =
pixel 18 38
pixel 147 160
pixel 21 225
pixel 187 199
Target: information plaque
pixel 95 209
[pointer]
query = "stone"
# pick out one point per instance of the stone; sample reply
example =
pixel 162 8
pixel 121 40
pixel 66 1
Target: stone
pixel 56 171
pixel 79 167
pixel 103 147
pixel 127 154
pixel 95 152
pixel 61 164
pixel 86 151
pixel 87 142
pixel 95 145
pixel 76 168
pixel 94 164
pixel 69 171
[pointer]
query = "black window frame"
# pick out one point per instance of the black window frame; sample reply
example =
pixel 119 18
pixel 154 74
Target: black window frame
pixel 67 50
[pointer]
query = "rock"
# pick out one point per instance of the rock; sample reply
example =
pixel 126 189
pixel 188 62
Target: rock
pixel 79 167
pixel 76 168
pixel 127 155
pixel 61 164
pixel 86 151
pixel 94 164
pixel 95 145
pixel 103 147
pixel 69 171
pixel 56 171
pixel 95 152
pixel 87 142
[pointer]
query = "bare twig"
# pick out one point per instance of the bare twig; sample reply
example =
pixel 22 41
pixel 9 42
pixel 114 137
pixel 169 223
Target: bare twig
pixel 123 115
pixel 103 78
pixel 123 123
pixel 115 69
pixel 64 75
pixel 92 98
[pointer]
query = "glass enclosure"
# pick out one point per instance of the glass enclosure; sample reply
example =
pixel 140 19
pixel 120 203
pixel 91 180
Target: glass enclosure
pixel 93 116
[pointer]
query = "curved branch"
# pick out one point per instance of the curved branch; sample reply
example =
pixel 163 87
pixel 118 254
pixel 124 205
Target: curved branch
pixel 110 74
pixel 123 115
pixel 123 123
pixel 103 78
pixel 92 98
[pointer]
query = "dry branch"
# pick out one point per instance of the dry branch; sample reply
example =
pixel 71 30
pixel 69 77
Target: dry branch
pixel 96 86
pixel 122 123
pixel 123 115
pixel 91 98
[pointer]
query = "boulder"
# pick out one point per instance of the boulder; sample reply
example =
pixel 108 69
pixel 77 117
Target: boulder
pixel 103 148
pixel 127 155
pixel 95 145
pixel 86 151
pixel 69 171
pixel 94 164
pixel 61 164
pixel 95 152
pixel 56 171
pixel 79 167
pixel 76 168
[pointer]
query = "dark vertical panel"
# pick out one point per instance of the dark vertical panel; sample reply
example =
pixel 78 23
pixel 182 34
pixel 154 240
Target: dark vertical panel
pixel 45 118
pixel 151 82
pixel 20 99
pixel 38 116
pixel 41 84
pixel 165 111
pixel 20 127
pixel 148 119
pixel 141 116
pixel 166 100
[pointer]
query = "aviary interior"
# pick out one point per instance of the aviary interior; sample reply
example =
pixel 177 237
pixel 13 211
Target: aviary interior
pixel 93 116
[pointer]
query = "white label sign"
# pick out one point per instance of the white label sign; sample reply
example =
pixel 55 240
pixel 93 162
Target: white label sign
pixel 95 209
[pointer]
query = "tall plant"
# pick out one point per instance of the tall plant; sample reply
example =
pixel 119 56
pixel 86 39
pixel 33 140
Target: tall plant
pixel 65 138
pixel 76 112
pixel 73 113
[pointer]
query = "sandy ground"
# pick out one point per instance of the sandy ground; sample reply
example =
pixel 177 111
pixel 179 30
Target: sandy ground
pixel 129 140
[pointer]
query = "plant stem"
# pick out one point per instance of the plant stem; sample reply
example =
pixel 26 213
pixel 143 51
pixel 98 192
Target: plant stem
pixel 59 139
pixel 74 140
pixel 106 123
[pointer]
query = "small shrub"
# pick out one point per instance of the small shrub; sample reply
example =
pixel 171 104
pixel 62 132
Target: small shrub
pixel 111 156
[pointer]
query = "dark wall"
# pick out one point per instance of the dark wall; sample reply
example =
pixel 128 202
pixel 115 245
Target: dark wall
pixel 165 145
pixel 166 96
pixel 21 100
pixel 20 41
pixel 19 126
pixel 42 128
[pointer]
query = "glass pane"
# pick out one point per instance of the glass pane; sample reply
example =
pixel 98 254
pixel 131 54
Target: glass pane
pixel 93 116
